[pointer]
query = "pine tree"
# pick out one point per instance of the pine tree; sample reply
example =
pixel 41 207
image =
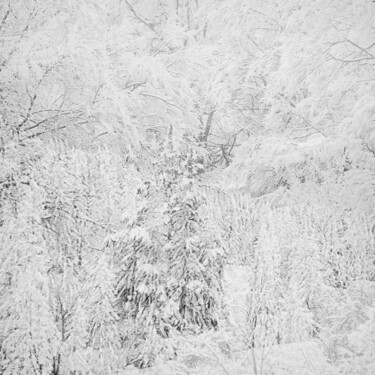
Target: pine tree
pixel 194 269
pixel 140 286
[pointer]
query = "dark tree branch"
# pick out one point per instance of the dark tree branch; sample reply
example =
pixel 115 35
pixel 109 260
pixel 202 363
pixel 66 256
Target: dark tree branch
pixel 133 86
pixel 5 18
pixel 28 114
pixel 352 60
pixel 370 149
pixel 37 124
pixel 207 129
pixel 361 48
pixel 149 25
pixel 225 156
pixel 96 93
pixel 234 142
pixel 43 132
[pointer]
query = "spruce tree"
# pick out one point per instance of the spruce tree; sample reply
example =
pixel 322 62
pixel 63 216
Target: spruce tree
pixel 140 286
pixel 193 282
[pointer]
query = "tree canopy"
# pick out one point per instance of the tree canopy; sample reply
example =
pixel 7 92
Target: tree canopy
pixel 148 148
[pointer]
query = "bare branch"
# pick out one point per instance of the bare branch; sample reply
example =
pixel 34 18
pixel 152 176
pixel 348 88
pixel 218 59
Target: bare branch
pixel 4 18
pixel 225 156
pixel 308 123
pixel 97 93
pixel 207 128
pixel 28 114
pixel 37 124
pixel 351 61
pixel 234 141
pixel 149 25
pixel 5 61
pixel 370 149
pixel 163 100
pixel 43 132
pixel 361 48
pixel 133 86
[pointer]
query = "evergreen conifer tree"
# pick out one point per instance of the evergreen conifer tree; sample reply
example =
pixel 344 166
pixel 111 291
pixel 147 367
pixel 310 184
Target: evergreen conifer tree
pixel 194 270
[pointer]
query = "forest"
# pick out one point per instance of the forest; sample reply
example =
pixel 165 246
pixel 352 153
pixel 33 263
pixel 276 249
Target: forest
pixel 187 187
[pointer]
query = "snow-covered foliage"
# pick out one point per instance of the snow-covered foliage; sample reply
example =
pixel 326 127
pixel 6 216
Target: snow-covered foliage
pixel 187 185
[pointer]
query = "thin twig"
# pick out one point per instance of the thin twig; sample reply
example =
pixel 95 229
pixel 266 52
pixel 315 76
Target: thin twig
pixel 163 100
pixel 351 61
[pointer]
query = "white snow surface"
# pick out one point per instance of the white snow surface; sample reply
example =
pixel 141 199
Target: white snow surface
pixel 224 352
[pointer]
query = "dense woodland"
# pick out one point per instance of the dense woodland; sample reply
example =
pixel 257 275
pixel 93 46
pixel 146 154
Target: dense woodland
pixel 149 146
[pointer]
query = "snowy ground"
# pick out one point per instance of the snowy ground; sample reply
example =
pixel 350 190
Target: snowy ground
pixel 224 352
pixel 303 358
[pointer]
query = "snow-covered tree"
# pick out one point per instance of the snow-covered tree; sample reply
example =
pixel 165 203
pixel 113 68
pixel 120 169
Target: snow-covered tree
pixel 194 267
pixel 29 337
pixel 268 111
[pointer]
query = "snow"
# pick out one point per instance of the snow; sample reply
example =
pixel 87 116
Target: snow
pixel 304 358
pixel 225 352
pixel 236 286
